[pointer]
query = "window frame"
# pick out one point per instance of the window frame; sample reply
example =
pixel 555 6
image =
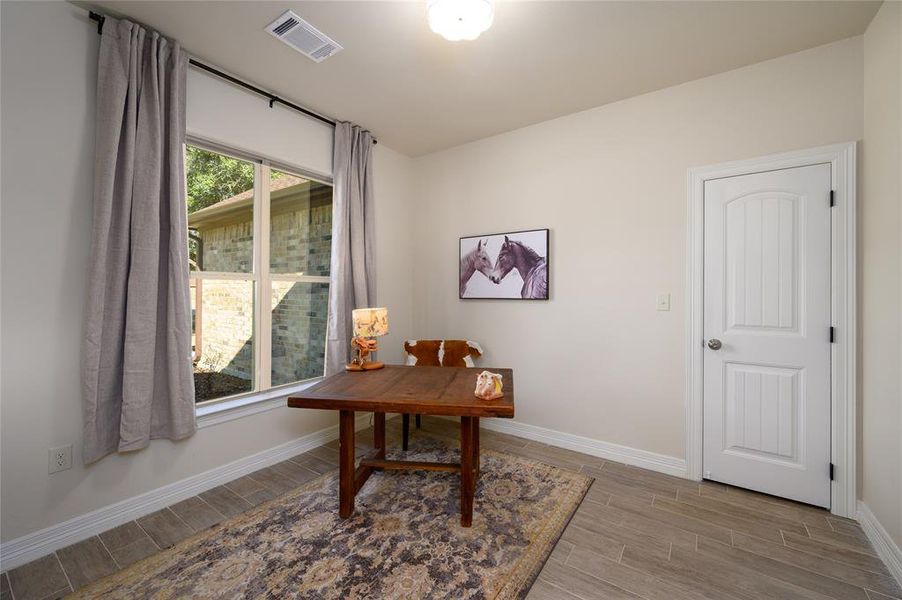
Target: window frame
pixel 265 396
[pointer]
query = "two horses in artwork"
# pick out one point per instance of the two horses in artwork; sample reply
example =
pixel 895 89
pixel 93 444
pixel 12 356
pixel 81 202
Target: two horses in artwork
pixel 514 255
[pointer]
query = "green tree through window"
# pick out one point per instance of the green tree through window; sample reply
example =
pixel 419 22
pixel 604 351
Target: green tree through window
pixel 213 177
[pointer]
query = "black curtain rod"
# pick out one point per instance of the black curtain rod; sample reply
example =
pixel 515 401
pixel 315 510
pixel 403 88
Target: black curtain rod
pixel 99 18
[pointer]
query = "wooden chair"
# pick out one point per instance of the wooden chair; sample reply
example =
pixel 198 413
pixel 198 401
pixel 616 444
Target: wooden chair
pixel 436 353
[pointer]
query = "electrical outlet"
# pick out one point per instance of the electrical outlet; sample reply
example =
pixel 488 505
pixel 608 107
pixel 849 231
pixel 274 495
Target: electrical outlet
pixel 663 302
pixel 60 458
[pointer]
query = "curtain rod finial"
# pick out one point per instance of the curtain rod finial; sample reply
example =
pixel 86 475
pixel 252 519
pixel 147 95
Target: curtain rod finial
pixel 100 20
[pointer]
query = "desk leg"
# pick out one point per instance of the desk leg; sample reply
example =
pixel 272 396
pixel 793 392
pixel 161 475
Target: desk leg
pixel 467 483
pixel 379 433
pixel 476 459
pixel 405 431
pixel 346 463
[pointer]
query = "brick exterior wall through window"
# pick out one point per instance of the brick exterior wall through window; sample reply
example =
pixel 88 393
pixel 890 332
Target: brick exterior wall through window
pixel 300 243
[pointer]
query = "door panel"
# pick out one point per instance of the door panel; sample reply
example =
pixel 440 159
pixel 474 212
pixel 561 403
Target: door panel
pixel 762 270
pixel 762 412
pixel 767 300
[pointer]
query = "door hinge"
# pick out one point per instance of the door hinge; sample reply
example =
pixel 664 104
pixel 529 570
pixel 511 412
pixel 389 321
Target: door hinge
pixel 832 198
pixel 831 471
pixel 832 334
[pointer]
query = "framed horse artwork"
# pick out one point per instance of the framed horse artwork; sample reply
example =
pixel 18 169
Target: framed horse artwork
pixel 510 266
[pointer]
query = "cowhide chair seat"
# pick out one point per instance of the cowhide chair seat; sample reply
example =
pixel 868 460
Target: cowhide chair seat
pixel 437 353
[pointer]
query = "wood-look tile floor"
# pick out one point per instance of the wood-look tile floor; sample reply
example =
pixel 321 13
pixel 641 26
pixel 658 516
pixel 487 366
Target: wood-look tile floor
pixel 637 535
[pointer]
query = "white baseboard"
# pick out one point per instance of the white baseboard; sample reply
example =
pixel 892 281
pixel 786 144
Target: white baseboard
pixel 652 461
pixel 34 545
pixel 883 543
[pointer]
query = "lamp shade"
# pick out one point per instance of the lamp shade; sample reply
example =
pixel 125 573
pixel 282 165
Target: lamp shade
pixel 457 20
pixel 370 322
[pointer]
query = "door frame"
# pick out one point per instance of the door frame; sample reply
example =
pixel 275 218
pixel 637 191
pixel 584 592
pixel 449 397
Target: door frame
pixel 843 448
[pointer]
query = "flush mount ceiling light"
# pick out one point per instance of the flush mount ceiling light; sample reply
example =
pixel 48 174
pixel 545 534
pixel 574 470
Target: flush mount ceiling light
pixel 457 20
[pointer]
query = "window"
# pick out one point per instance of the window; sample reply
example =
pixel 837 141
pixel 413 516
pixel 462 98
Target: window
pixel 260 250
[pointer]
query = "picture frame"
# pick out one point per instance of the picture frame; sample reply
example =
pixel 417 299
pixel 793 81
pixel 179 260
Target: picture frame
pixel 512 265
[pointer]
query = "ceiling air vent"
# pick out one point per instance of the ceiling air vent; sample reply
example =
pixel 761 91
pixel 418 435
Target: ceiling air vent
pixel 303 37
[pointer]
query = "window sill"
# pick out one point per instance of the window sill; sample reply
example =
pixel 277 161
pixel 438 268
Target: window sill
pixel 243 406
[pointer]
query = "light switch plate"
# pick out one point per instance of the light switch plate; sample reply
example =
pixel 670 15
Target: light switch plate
pixel 663 302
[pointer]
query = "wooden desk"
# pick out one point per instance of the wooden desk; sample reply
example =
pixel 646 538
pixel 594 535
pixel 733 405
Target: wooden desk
pixel 395 389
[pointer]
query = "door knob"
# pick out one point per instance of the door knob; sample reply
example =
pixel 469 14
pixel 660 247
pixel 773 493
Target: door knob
pixel 714 344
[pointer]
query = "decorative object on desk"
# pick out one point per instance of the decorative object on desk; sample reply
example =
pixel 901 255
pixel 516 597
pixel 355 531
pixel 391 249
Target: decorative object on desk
pixel 369 323
pixel 489 386
pixel 519 266
pixel 442 353
pixel 363 347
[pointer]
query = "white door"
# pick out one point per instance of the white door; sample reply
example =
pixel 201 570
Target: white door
pixel 767 332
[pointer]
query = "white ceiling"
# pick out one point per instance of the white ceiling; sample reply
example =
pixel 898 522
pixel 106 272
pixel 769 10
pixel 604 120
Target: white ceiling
pixel 419 93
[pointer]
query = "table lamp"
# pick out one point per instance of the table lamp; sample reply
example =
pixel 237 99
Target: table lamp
pixel 369 323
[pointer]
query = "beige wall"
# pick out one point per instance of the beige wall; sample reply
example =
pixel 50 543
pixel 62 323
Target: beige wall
pixel 47 149
pixel 880 271
pixel 598 360
pixel 395 214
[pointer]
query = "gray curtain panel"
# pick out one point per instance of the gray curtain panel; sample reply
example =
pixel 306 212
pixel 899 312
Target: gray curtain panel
pixel 353 282
pixel 138 381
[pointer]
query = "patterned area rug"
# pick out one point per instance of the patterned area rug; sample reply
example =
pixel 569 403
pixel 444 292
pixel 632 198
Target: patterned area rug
pixel 404 540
